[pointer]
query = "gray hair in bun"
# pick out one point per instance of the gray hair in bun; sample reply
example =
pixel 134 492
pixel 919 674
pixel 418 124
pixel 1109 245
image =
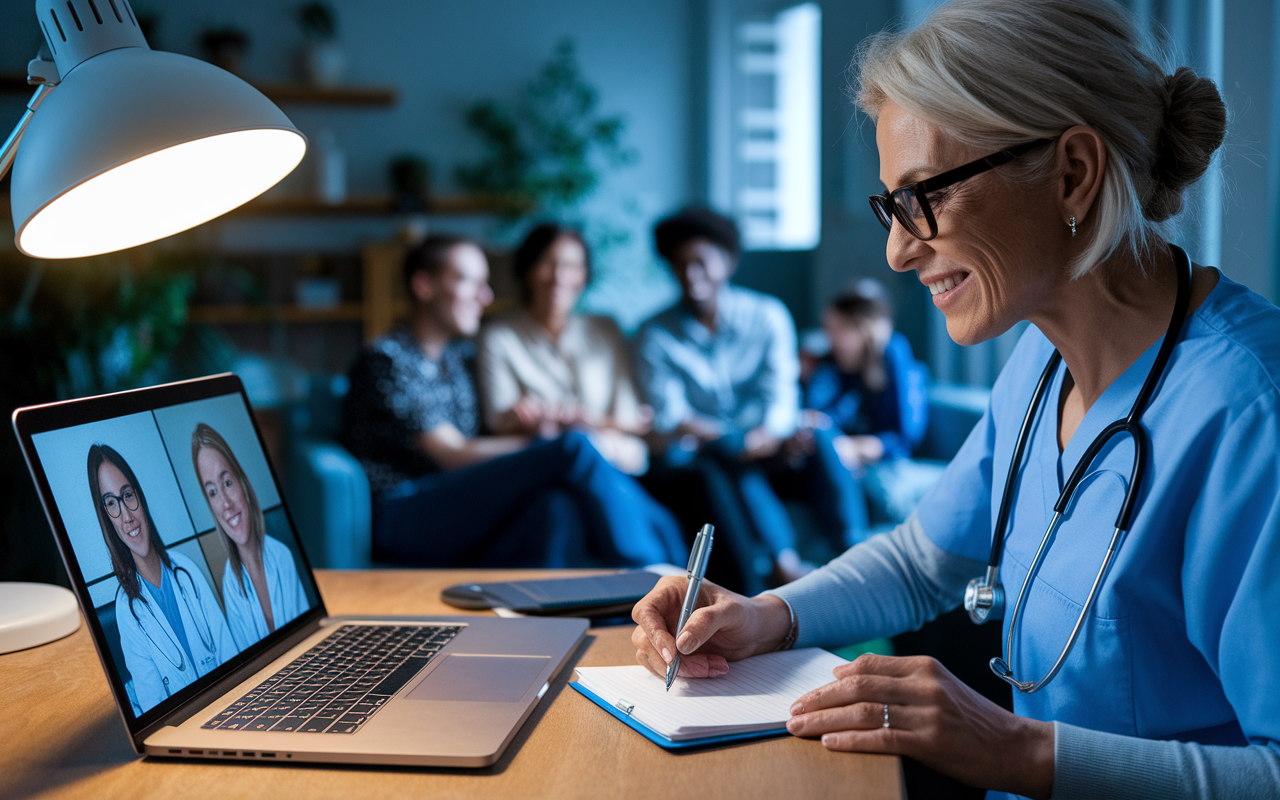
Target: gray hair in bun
pixel 1194 123
pixel 994 73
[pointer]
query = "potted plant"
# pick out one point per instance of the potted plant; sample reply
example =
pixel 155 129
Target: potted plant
pixel 544 155
pixel 410 182
pixel 225 47
pixel 322 58
pixel 548 151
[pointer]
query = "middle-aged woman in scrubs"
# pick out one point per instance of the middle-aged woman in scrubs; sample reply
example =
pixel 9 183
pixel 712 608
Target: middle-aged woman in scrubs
pixel 1170 688
pixel 171 628
pixel 260 584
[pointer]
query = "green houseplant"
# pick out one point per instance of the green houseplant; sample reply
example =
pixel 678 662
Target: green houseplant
pixel 322 58
pixel 548 150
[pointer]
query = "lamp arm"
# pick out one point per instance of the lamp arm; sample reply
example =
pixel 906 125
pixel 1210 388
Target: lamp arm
pixel 45 75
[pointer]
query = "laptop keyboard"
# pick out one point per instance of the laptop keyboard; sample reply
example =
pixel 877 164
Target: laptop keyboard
pixel 336 686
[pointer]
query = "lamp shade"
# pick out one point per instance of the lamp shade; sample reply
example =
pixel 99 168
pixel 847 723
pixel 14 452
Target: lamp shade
pixel 138 144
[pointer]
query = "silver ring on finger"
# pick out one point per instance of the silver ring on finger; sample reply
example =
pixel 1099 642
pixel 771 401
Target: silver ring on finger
pixel 886 716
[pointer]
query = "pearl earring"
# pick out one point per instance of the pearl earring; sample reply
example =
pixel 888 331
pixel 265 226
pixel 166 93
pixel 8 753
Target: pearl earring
pixel 1072 223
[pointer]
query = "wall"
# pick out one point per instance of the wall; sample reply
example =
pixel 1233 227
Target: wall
pixel 1251 211
pixel 849 249
pixel 442 56
pixel 853 241
pixel 652 62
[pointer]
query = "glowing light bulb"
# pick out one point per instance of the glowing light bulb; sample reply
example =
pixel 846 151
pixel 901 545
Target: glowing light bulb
pixel 162 193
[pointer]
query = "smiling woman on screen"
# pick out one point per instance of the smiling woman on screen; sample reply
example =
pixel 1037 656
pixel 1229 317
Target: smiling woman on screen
pixel 171 628
pixel 260 584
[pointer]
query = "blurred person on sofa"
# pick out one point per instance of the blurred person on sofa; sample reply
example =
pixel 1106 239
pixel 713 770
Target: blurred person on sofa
pixel 721 371
pixel 872 392
pixel 445 496
pixel 544 368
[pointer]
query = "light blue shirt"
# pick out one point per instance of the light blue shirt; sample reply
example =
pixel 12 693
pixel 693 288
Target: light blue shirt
pixel 284 592
pixel 1184 638
pixel 744 375
pixel 168 602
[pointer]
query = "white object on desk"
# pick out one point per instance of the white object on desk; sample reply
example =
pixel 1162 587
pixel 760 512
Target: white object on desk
pixel 32 614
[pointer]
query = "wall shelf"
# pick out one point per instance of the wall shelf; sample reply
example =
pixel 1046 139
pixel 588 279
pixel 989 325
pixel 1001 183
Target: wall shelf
pixel 284 93
pixel 301 94
pixel 246 315
pixel 383 300
pixel 364 205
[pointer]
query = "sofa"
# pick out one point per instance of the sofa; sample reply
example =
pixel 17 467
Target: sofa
pixel 328 492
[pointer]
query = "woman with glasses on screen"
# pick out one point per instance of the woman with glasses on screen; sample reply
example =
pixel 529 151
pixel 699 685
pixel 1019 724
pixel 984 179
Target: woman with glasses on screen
pixel 260 585
pixel 171 628
pixel 1118 505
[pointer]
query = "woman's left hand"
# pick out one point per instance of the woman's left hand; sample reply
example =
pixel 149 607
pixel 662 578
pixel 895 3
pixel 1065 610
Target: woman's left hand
pixel 933 718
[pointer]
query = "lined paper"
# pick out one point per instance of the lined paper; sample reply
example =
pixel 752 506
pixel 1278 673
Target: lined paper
pixel 756 695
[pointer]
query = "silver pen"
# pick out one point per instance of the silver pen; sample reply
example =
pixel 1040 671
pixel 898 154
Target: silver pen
pixel 696 570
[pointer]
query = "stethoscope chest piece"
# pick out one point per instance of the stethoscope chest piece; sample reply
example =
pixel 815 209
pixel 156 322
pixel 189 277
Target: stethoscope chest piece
pixel 984 597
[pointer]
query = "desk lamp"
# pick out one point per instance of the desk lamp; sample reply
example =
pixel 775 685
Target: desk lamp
pixel 122 145
pixel 131 144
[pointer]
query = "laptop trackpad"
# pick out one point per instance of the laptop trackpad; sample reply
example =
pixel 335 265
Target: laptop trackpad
pixel 486 679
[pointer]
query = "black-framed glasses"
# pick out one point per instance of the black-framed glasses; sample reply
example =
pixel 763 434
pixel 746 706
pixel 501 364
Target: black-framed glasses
pixel 112 503
pixel 910 204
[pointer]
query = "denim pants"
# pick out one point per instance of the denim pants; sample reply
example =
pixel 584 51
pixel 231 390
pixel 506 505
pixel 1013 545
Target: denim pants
pixel 742 499
pixel 836 496
pixel 554 504
pixel 820 479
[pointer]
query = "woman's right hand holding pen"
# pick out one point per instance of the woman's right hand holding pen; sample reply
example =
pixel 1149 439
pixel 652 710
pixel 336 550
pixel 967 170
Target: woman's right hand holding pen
pixel 725 627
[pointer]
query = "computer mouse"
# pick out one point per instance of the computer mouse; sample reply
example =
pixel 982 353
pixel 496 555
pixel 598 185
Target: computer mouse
pixel 470 596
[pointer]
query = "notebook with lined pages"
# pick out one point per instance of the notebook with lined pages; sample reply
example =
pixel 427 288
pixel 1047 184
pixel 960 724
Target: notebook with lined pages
pixel 752 701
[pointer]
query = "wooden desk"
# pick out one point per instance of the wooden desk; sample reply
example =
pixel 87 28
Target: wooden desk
pixel 61 736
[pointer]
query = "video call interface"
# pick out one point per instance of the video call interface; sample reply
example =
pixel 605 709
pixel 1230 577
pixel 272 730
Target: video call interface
pixel 181 538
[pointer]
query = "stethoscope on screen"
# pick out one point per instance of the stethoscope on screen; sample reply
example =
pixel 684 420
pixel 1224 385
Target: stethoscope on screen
pixel 984 598
pixel 206 635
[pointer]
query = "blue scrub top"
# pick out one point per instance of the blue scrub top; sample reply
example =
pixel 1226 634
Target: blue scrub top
pixel 1184 639
pixel 168 602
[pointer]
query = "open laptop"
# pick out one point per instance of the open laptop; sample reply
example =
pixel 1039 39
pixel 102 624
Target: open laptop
pixel 159 499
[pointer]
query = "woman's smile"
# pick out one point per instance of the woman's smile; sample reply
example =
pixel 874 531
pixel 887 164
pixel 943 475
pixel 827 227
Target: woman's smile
pixel 130 526
pixel 224 492
pixel 945 284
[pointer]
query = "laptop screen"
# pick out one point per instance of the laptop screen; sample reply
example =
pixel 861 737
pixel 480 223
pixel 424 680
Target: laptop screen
pixel 180 537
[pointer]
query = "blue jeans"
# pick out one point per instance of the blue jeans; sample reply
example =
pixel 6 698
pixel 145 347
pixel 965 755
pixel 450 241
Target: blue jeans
pixel 821 480
pixel 555 504
pixel 836 496
pixel 753 525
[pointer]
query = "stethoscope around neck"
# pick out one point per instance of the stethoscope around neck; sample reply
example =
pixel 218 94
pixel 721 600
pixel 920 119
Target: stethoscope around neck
pixel 206 635
pixel 984 598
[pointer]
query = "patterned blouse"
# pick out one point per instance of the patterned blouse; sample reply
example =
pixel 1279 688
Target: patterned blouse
pixel 397 393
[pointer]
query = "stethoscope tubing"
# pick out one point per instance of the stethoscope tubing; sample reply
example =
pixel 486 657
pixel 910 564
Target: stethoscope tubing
pixel 1024 436
pixel 1130 425
pixel 207 642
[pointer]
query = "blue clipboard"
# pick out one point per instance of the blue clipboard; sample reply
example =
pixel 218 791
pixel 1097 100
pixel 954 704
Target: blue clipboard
pixel 664 742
